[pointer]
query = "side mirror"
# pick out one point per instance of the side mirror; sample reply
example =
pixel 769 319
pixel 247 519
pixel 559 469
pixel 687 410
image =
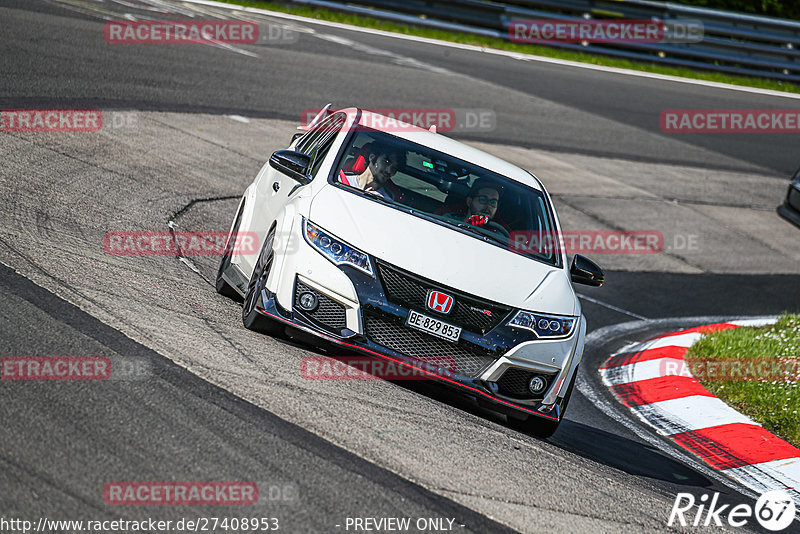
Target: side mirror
pixel 293 164
pixel 585 271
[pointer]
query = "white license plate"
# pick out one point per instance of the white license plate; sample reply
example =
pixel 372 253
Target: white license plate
pixel 433 326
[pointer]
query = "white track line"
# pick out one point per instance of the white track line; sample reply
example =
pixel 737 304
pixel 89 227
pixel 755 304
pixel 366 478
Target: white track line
pixel 633 372
pixel 610 307
pixel 689 413
pixel 502 53
pixel 675 340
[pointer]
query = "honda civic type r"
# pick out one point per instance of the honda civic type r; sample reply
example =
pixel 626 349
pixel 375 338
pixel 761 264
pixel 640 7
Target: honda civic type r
pixel 402 243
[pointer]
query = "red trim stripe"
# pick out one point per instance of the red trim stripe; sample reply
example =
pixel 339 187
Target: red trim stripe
pixel 659 389
pixel 627 358
pixel 736 445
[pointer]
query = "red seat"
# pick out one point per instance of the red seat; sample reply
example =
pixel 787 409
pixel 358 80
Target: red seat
pixel 359 162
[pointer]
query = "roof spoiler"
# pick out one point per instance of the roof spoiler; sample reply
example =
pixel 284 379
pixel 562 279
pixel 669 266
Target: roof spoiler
pixel 324 112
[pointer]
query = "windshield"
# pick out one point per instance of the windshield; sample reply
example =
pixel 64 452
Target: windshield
pixel 452 192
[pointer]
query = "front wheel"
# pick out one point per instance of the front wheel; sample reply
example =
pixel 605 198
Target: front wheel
pixel 251 318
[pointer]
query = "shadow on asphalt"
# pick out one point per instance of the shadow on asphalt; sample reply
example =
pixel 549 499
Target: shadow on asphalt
pixel 600 446
pixel 632 457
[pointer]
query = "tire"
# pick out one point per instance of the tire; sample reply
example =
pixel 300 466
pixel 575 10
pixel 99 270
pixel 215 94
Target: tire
pixel 251 319
pixel 544 428
pixel 223 287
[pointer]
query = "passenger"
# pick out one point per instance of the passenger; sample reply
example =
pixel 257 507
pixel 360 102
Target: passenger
pixel 383 163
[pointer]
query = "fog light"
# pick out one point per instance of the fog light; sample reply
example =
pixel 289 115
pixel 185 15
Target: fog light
pixel 537 384
pixel 307 300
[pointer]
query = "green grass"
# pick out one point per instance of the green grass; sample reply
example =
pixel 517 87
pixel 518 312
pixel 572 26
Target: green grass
pixel 500 44
pixel 773 403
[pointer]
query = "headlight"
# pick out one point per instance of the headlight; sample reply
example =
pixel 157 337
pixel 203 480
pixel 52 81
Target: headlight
pixel 547 326
pixel 335 249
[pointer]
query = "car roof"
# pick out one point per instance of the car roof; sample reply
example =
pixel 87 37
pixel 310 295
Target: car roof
pixel 447 145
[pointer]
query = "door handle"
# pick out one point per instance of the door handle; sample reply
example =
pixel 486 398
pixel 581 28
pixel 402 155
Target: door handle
pixel 276 186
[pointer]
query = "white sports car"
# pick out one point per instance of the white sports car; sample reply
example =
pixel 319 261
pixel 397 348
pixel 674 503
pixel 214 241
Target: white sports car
pixel 405 244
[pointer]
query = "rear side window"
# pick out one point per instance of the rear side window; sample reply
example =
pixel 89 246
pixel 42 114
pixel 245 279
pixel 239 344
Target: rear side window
pixel 318 141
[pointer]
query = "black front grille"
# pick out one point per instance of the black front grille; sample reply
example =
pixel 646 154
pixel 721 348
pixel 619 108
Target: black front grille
pixel 514 383
pixel 328 312
pixel 468 312
pixel 467 358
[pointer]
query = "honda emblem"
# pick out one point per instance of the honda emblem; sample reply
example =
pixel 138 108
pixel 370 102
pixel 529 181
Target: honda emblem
pixel 440 302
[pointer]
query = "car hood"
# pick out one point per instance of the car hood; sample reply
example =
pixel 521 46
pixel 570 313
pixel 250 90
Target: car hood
pixel 442 254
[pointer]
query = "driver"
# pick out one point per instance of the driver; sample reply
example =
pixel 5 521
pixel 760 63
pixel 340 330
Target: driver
pixel 482 201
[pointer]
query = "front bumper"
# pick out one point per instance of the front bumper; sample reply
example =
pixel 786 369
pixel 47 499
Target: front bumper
pixel 491 362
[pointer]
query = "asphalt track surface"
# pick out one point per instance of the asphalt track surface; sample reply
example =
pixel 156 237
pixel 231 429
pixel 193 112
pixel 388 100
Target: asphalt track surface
pixel 233 408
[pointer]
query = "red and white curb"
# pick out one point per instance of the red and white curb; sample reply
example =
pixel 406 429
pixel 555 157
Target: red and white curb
pixel 679 407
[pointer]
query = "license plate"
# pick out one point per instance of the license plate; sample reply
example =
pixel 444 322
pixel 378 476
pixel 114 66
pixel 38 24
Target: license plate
pixel 433 326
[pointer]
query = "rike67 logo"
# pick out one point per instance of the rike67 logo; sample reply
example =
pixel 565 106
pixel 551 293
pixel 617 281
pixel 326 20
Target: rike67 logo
pixel 774 510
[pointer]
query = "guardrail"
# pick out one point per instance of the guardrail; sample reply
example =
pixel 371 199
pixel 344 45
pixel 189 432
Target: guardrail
pixel 733 43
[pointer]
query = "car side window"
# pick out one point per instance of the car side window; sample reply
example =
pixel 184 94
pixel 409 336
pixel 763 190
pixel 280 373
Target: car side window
pixel 319 156
pixel 317 145
pixel 313 136
pixel 306 138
